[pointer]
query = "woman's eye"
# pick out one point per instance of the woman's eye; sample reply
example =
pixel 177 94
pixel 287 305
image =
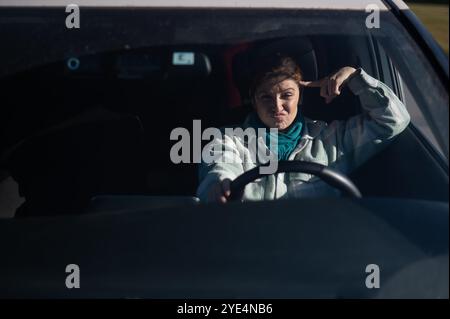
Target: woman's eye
pixel 287 95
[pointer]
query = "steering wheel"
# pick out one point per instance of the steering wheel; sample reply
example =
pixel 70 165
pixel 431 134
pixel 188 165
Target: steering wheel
pixel 328 175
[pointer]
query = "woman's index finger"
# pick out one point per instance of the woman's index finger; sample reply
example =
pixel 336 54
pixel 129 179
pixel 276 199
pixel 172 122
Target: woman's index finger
pixel 317 83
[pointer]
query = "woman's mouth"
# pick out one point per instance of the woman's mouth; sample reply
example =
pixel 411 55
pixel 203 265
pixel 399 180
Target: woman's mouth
pixel 278 116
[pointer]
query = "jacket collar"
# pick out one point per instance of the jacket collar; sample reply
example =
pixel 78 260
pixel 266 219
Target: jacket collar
pixel 311 130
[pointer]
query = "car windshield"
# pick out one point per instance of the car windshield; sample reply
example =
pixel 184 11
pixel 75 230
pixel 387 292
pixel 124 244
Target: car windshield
pixel 107 114
pixel 53 75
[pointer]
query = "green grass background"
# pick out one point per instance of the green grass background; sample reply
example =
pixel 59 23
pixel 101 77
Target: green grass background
pixel 434 15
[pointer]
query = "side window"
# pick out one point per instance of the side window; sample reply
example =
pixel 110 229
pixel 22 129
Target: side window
pixel 391 77
pixel 417 117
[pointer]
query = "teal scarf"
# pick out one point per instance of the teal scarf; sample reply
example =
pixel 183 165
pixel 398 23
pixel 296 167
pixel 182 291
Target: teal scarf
pixel 287 139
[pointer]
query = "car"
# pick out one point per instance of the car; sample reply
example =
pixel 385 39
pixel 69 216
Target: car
pixel 94 207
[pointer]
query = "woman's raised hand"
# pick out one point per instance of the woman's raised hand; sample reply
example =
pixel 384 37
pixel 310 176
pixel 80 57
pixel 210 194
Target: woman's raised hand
pixel 331 86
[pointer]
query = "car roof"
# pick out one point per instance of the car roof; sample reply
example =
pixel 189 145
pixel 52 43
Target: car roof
pixel 298 4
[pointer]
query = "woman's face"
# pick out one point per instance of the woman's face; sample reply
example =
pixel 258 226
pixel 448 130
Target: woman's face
pixel 276 103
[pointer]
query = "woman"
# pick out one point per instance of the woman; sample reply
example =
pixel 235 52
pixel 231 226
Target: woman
pixel 343 145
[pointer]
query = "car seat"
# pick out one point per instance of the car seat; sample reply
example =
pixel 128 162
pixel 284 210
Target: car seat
pixel 60 169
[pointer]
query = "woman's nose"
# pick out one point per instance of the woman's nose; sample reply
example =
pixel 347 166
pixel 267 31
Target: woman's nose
pixel 279 105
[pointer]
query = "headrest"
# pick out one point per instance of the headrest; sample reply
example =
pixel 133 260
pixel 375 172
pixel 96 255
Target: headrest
pixel 298 48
